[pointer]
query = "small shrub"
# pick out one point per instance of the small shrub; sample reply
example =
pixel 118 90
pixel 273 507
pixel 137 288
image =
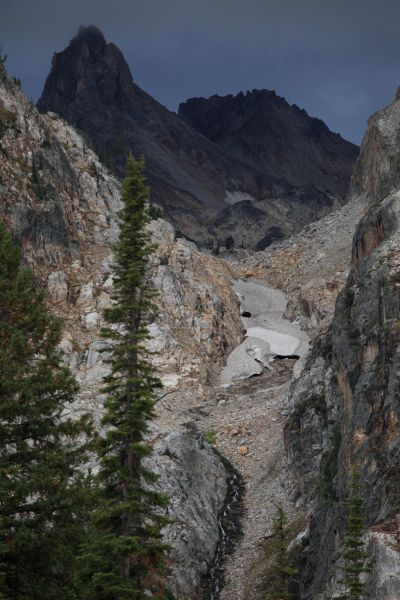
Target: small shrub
pixel 210 437
pixel 39 187
pixel 329 469
pixel 395 278
pixel 155 212
pixel 46 140
pixel 315 402
pixel 355 554
pixel 229 242
pixel 7 119
pixel 348 297
pixel 354 335
pixel 282 575
pixel 216 249
pixel 92 170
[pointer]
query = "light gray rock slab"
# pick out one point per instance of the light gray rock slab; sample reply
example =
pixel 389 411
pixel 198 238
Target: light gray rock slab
pixel 195 480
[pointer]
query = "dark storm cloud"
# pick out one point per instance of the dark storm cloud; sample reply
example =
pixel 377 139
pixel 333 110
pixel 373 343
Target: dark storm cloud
pixel 340 60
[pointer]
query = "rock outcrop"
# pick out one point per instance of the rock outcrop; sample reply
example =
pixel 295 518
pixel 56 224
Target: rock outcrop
pixel 211 195
pixel 194 478
pixel 346 405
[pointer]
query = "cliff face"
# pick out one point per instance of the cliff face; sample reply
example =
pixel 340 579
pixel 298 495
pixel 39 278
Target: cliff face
pixel 215 196
pixel 276 138
pixel 61 205
pixel 346 407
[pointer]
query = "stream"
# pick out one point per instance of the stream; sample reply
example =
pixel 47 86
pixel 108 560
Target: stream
pixel 229 523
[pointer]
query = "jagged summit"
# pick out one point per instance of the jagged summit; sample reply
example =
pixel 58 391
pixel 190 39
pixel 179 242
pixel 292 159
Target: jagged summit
pixel 281 140
pixel 89 32
pixel 209 189
pixel 90 35
pixel 86 74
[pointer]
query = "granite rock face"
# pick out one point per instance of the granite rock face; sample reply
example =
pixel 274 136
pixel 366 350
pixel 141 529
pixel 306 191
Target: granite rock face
pixel 212 195
pixel 195 479
pixel 346 407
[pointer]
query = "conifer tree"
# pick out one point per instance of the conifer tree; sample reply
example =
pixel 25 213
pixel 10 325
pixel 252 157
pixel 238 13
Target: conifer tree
pixel 42 489
pixel 355 555
pixel 124 559
pixel 283 573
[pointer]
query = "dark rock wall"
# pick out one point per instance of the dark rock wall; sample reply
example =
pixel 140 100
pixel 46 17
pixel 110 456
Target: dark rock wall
pixel 279 139
pixel 346 405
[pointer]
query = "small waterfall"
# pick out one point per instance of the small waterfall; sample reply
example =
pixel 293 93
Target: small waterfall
pixel 229 522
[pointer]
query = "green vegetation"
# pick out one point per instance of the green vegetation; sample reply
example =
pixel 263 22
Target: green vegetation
pixel 283 574
pixel 262 573
pixel 39 187
pixel 110 153
pixel 43 492
pixel 46 140
pixel 355 555
pixel 395 277
pixel 329 469
pixel 63 534
pixel 210 437
pixel 348 297
pixel 229 242
pixel 326 344
pixel 354 335
pixel 155 212
pixel 315 402
pixel 124 557
pixel 7 119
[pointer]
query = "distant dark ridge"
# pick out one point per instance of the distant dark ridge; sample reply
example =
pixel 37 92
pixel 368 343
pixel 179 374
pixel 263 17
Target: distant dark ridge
pixel 263 130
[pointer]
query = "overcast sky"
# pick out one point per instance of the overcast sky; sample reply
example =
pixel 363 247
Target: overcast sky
pixel 338 59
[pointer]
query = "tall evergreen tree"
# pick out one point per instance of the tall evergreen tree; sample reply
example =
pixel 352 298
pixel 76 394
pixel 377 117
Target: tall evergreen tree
pixel 355 555
pixel 42 489
pixel 125 557
pixel 283 573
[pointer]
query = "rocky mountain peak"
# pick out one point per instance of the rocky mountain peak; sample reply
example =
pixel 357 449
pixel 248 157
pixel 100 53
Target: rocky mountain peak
pixel 89 33
pixel 90 74
pixel 279 139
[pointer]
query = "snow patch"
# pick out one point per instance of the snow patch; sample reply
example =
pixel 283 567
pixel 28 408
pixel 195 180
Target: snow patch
pixel 237 196
pixel 268 333
pixel 170 380
pixel 280 343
